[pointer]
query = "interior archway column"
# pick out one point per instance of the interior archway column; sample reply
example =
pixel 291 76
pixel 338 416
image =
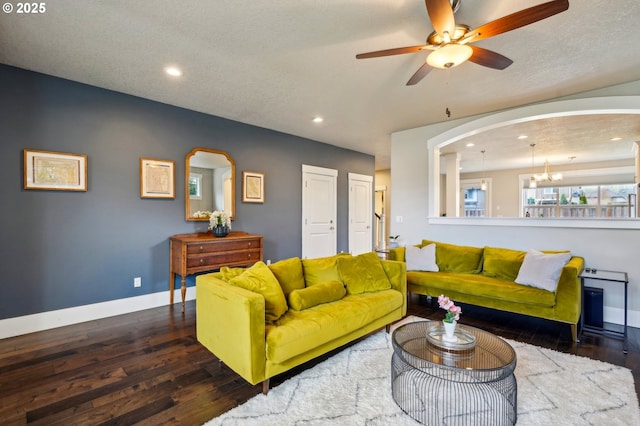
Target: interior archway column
pixel 637 173
pixel 452 191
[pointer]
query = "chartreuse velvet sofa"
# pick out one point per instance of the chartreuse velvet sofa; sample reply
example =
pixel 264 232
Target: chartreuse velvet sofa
pixel 540 284
pixel 266 319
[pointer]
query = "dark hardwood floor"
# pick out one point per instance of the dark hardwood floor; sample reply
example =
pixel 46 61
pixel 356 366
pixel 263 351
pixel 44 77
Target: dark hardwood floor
pixel 148 368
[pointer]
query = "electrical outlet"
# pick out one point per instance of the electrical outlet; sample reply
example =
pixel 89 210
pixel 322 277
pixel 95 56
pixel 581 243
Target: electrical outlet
pixel 137 282
pixel 268 261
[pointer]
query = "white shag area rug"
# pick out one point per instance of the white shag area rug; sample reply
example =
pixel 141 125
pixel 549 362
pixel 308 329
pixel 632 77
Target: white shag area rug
pixel 354 388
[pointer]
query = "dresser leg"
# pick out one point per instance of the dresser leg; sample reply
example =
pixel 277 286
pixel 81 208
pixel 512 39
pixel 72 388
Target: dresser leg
pixel 172 280
pixel 183 291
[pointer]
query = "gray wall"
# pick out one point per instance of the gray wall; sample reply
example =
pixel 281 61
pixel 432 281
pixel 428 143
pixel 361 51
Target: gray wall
pixel 62 249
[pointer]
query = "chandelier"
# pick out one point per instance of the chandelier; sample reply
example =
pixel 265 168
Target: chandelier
pixel 546 175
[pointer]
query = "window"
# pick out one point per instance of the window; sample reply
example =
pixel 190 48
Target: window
pixel 476 200
pixel 195 186
pixel 587 201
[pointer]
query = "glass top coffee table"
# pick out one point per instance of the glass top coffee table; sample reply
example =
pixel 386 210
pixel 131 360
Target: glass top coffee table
pixel 443 384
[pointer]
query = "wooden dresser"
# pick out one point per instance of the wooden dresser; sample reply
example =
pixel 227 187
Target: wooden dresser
pixel 202 252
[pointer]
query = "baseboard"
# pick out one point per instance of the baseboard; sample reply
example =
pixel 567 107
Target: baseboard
pixel 616 316
pixel 47 320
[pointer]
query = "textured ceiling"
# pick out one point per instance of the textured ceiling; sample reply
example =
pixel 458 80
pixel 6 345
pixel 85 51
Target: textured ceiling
pixel 277 64
pixel 560 140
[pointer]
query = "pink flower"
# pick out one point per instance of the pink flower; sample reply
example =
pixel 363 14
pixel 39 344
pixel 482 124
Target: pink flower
pixel 444 302
pixel 453 311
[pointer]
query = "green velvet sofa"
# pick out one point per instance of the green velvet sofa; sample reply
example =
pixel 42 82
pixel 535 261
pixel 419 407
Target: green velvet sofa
pixel 266 319
pixel 485 276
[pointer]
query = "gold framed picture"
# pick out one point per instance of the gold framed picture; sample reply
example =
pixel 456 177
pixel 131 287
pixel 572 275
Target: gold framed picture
pixel 54 171
pixel 157 178
pixel 252 187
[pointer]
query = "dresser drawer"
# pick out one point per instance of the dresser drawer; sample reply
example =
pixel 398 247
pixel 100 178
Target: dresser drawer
pixel 229 258
pixel 226 245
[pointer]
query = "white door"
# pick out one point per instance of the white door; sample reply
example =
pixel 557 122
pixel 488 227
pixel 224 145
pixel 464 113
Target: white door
pixel 319 212
pixel 360 213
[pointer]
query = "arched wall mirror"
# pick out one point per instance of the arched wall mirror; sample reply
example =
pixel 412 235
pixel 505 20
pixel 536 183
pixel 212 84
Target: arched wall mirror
pixel 209 183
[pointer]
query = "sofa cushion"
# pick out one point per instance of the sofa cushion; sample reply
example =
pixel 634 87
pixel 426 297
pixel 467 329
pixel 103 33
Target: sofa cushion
pixel 502 263
pixel 300 331
pixel 289 274
pixel 480 286
pixel 421 258
pixel 259 279
pixel 321 269
pixel 542 270
pixel 455 258
pixel 363 273
pixel 316 295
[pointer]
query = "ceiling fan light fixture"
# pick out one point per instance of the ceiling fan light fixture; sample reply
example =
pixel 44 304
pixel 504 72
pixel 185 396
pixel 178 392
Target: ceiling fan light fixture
pixel 435 39
pixel 449 56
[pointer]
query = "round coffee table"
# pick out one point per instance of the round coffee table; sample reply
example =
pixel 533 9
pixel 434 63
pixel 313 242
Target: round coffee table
pixel 436 384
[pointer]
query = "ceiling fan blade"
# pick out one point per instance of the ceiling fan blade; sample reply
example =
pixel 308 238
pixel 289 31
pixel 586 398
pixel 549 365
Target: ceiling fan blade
pixel 389 52
pixel 518 19
pixel 489 58
pixel 420 74
pixel 441 16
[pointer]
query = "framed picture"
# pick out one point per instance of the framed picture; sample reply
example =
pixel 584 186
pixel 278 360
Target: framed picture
pixel 58 171
pixel 252 187
pixel 157 178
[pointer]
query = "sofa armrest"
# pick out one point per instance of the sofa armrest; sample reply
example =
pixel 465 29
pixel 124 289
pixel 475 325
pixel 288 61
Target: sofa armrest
pixel 568 294
pixel 230 323
pixel 397 253
pixel 397 273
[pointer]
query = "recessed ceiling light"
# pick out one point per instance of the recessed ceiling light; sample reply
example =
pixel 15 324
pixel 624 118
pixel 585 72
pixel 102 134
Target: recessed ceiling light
pixel 523 137
pixel 615 139
pixel 173 71
pixel 470 144
pixel 318 119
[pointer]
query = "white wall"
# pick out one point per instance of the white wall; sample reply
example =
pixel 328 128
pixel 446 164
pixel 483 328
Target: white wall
pixel 614 249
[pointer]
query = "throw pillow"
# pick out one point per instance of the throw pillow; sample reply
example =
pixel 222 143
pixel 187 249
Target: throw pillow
pixel 502 263
pixel 289 274
pixel 455 258
pixel 363 273
pixel 321 269
pixel 542 270
pixel 226 273
pixel 318 294
pixel 260 279
pixel 421 258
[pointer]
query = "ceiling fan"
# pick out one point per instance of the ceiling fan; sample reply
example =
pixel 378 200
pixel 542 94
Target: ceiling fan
pixel 449 42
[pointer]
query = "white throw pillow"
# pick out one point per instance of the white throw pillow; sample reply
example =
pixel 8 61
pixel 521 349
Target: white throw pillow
pixel 542 270
pixel 421 259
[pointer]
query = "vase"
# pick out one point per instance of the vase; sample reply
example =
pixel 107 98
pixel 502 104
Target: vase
pixel 220 231
pixel 449 331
